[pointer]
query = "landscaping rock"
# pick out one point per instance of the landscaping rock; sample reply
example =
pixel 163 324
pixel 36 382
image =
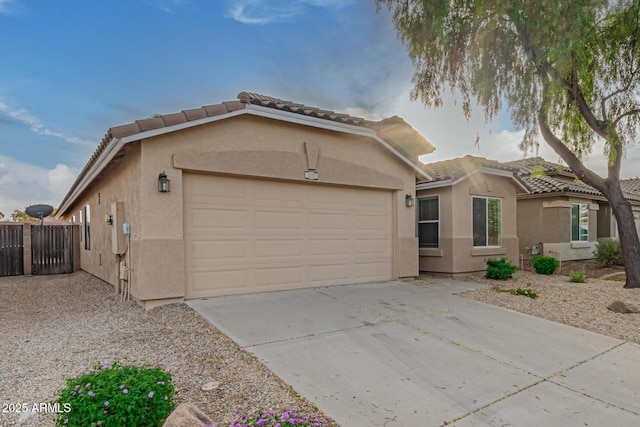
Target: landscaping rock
pixel 187 415
pixel 624 307
pixel 210 386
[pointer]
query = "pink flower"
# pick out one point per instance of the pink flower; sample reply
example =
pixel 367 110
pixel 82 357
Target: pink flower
pixel 150 395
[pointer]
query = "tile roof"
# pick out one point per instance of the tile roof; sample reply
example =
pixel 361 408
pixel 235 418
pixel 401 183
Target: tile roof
pixel 460 167
pixel 394 130
pixel 556 179
pixel 631 185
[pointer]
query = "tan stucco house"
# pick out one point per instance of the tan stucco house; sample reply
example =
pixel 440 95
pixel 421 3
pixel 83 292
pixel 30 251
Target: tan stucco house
pixel 561 216
pixel 256 194
pixel 467 214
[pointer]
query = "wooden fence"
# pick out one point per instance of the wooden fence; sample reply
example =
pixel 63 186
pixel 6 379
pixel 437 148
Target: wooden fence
pixel 11 250
pixel 38 249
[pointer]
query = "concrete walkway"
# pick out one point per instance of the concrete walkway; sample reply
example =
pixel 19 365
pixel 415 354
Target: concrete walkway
pixel 394 354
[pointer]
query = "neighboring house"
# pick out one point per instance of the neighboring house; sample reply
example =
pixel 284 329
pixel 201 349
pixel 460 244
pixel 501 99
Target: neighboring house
pixel 632 186
pixel 560 215
pixel 467 214
pixel 264 194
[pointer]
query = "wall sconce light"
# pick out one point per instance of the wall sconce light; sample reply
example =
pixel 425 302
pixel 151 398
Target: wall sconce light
pixel 164 183
pixel 408 201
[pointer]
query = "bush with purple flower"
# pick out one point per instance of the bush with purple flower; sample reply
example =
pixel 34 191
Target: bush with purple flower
pixel 117 394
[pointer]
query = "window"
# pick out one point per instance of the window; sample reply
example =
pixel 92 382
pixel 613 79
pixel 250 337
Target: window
pixel 487 222
pixel 429 222
pixel 579 222
pixel 87 231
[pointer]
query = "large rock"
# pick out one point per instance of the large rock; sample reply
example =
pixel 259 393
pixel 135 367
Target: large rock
pixel 624 307
pixel 187 415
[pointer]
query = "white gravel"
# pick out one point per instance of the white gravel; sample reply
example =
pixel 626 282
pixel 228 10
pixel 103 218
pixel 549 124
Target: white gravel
pixel 583 305
pixel 54 327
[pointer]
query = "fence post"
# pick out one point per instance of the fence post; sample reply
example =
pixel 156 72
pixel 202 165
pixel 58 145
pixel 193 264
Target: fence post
pixel 26 248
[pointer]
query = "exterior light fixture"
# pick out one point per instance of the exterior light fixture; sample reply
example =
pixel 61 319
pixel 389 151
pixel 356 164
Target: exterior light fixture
pixel 408 200
pixel 164 183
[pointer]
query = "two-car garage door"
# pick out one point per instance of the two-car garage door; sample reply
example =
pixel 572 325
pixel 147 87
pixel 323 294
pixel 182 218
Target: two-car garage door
pixel 248 235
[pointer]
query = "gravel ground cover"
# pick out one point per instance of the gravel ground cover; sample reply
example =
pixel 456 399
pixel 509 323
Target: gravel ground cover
pixel 54 327
pixel 583 305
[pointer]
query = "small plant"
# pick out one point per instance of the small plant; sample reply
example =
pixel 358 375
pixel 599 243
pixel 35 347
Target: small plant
pixel 270 418
pixel 528 292
pixel 609 253
pixel 577 276
pixel 499 269
pixel 117 394
pixel 545 264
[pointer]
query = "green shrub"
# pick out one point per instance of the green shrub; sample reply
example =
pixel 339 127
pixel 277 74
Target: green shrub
pixel 609 253
pixel 577 276
pixel 116 395
pixel 499 269
pixel 545 264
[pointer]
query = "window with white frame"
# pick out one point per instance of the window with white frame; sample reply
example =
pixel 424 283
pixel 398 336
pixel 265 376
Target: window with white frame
pixel 579 222
pixel 87 230
pixel 429 222
pixel 487 222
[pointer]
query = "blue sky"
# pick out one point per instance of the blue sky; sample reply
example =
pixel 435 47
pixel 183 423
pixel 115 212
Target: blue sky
pixel 71 70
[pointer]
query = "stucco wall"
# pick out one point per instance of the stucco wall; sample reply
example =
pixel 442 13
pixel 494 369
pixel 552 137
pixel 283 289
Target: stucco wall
pixel 548 221
pixel 456 253
pixel 118 184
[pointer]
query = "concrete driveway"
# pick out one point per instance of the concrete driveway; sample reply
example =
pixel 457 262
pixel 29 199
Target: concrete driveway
pixel 395 354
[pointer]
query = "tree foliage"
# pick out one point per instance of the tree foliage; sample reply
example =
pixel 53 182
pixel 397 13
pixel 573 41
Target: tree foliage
pixel 568 70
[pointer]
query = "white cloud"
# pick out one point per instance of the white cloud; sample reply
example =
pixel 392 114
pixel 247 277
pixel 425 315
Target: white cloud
pixel 5 6
pixel 266 11
pixel 167 5
pixel 24 184
pixel 34 124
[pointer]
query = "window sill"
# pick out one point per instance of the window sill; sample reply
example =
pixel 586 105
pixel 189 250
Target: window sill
pixel 431 252
pixel 580 245
pixel 488 251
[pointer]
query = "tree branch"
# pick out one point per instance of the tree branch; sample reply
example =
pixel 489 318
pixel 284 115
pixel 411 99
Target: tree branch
pixel 583 173
pixel 628 113
pixel 598 126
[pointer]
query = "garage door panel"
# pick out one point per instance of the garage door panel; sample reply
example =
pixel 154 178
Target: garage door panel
pixel 329 273
pixel 227 282
pixel 372 246
pixel 230 191
pixel 218 251
pixel 244 235
pixel 278 248
pixel 279 276
pixel 212 220
pixel 328 247
pixel 278 220
pixel 338 222
pixel 378 224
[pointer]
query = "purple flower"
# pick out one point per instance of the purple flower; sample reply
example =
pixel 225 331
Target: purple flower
pixel 129 364
pixel 99 423
pixel 105 411
pixel 88 372
pixel 76 387
pixel 121 386
pixel 150 395
pixel 106 403
pixel 125 391
pixel 91 394
pixel 87 385
pixel 66 420
pixel 160 364
pixel 72 393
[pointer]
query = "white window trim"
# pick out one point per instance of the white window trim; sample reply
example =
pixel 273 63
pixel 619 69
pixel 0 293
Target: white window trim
pixel 571 223
pixel 418 221
pixel 486 221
